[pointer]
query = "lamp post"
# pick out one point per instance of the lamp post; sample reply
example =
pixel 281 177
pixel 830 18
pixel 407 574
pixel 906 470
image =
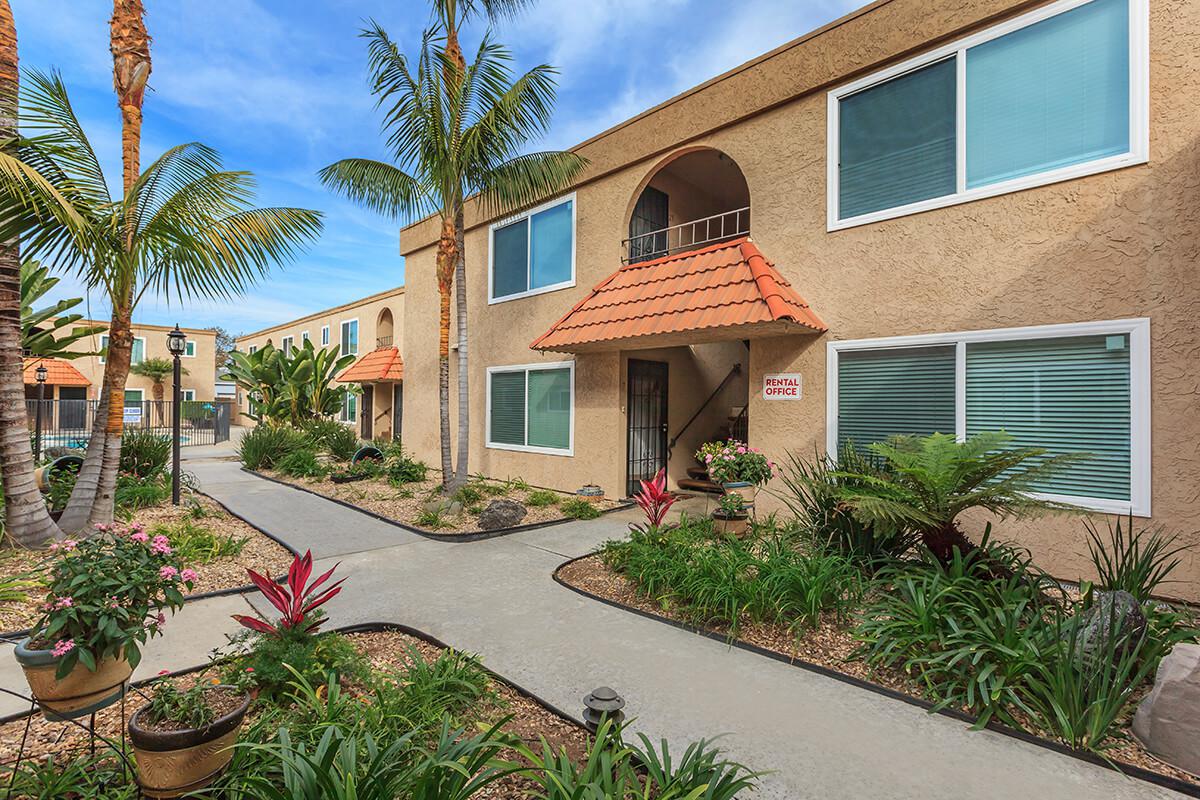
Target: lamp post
pixel 40 374
pixel 176 344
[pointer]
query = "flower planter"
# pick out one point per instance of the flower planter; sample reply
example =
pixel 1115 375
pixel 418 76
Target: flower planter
pixel 734 525
pixel 747 491
pixel 174 763
pixel 81 692
pixel 591 492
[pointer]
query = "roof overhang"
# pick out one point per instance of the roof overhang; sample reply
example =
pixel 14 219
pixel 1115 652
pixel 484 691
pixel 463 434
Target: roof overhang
pixel 382 365
pixel 58 372
pixel 727 291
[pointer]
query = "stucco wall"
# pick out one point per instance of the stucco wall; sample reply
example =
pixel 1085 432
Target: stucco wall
pixel 1116 245
pixel 201 369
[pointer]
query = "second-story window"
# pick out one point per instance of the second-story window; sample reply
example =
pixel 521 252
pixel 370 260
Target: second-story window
pixel 1054 94
pixel 324 336
pixel 350 337
pixel 286 345
pixel 534 252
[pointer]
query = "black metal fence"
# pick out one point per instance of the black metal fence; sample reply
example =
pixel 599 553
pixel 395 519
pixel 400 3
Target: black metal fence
pixel 68 423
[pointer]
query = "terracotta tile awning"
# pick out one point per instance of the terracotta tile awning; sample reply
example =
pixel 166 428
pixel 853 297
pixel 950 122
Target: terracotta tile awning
pixel 58 373
pixel 723 291
pixel 382 365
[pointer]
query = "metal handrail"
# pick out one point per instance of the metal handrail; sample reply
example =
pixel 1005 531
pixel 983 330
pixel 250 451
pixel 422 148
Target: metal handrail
pixel 737 369
pixel 657 244
pixel 383 341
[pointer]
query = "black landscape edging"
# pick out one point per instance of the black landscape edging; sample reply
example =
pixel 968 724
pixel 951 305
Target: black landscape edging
pixel 1129 770
pixel 478 536
pixel 232 590
pixel 362 627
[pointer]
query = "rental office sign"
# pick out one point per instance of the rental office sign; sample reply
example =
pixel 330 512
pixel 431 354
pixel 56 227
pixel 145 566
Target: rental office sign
pixel 782 386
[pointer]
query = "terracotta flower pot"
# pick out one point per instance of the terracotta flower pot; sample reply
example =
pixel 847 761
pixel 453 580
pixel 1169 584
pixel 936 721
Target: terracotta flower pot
pixel 174 763
pixel 81 692
pixel 733 525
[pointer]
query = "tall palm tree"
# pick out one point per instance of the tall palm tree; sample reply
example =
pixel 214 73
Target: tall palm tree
pixel 454 132
pixel 28 522
pixel 185 227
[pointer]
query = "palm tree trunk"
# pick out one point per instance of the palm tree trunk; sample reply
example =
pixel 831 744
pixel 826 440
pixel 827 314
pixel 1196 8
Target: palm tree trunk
pixel 464 390
pixel 130 46
pixel 446 259
pixel 28 523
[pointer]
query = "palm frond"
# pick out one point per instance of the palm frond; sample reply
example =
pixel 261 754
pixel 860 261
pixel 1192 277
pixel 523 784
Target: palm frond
pixel 46 109
pixel 377 185
pixel 528 179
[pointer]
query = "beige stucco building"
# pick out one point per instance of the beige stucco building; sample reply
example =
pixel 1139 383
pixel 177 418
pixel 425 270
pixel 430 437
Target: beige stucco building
pixel 953 216
pixel 371 328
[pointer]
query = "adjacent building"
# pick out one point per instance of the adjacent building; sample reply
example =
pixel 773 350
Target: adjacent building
pixel 925 216
pixel 371 328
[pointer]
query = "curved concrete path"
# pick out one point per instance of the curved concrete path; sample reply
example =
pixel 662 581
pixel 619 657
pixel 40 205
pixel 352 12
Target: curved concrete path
pixel 822 738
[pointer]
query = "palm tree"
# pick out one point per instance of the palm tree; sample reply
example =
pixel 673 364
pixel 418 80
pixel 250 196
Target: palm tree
pixel 927 482
pixel 454 132
pixel 50 332
pixel 185 227
pixel 157 369
pixel 27 521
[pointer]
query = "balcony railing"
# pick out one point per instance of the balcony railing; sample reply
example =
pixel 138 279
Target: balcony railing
pixel 686 236
pixel 383 341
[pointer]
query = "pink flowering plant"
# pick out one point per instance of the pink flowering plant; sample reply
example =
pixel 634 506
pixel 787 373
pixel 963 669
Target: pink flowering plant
pixel 107 596
pixel 732 461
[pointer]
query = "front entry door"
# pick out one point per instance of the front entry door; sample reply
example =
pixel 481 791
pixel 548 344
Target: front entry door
pixel 368 410
pixel 646 413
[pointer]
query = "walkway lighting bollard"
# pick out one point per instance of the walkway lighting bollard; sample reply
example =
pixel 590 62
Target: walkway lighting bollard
pixel 40 374
pixel 600 703
pixel 176 345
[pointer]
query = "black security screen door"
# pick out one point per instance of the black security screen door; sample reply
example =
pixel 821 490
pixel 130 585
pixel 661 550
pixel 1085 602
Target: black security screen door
pixel 649 216
pixel 368 411
pixel 397 410
pixel 647 415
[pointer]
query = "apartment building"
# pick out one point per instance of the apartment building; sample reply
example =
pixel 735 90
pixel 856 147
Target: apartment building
pixel 370 328
pixel 925 216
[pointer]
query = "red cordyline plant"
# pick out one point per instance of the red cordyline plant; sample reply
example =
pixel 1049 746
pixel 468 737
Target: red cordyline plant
pixel 655 499
pixel 295 601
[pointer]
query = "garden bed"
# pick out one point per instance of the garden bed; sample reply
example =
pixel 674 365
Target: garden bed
pixel 827 648
pixel 406 503
pixel 220 546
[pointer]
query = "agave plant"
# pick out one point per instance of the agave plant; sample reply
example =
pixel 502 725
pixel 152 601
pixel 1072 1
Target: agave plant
pixel 296 601
pixel 655 500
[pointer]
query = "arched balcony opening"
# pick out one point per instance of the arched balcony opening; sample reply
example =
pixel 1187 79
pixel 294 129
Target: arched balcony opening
pixel 384 329
pixel 693 199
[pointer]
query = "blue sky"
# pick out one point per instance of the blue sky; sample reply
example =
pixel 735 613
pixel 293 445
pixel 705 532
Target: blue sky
pixel 279 88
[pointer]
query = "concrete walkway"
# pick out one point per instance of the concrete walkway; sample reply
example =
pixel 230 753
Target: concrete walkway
pixel 822 738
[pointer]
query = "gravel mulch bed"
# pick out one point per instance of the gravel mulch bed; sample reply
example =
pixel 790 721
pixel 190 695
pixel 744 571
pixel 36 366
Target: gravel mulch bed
pixel 260 553
pixel 385 650
pixel 829 646
pixel 405 503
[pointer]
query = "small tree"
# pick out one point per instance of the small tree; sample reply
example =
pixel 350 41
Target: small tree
pixel 156 369
pixel 290 388
pixel 931 480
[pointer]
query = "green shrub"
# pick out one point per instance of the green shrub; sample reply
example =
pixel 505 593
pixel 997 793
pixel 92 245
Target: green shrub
pixel 1135 561
pixel 301 463
pixel 812 491
pixel 195 544
pixel 265 444
pixel 431 520
pixel 401 468
pixel 468 494
pixel 577 508
pixel 277 660
pixel 333 437
pixel 144 453
pixel 71 775
pixel 541 498
pixel 134 494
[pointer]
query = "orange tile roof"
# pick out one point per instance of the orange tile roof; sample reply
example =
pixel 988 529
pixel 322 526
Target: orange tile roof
pixel 382 365
pixel 58 373
pixel 723 291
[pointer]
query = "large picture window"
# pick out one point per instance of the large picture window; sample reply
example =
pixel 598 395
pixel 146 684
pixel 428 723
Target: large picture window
pixel 534 252
pixel 532 407
pixel 1051 95
pixel 1079 388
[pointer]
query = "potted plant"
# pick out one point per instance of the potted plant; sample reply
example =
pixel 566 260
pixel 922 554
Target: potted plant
pixel 739 468
pixel 184 739
pixel 107 596
pixel 731 517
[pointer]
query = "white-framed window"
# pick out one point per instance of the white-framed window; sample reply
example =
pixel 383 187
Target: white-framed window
pixel 350 337
pixel 531 407
pixel 134 398
pixel 285 344
pixel 189 349
pixel 1073 388
pixel 349 412
pixel 139 349
pixel 1051 95
pixel 304 337
pixel 252 349
pixel 324 336
pixel 532 252
pixel 187 395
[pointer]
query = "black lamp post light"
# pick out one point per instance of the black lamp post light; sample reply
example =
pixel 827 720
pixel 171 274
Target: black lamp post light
pixel 40 375
pixel 176 345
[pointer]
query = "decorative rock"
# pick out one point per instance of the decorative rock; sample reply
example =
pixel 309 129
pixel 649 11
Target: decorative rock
pixel 1112 614
pixel 444 506
pixel 501 514
pixel 1168 719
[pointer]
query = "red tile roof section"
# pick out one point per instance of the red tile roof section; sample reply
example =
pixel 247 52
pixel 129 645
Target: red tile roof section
pixel 720 286
pixel 58 373
pixel 383 365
